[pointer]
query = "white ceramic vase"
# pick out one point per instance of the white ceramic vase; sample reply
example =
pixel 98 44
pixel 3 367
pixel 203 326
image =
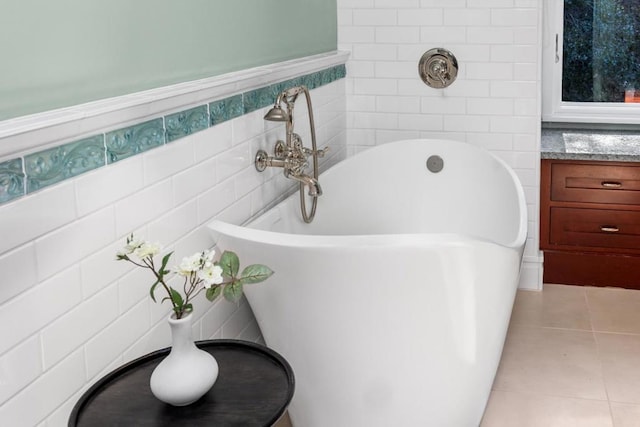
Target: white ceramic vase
pixel 187 373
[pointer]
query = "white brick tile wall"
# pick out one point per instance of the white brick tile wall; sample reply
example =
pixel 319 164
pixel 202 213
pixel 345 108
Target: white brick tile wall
pixel 395 70
pixel 515 17
pixel 213 320
pixel 375 87
pixel 46 393
pixel 39 306
pixel 211 202
pixel 168 160
pixel 70 244
pixel 193 181
pixel 140 208
pixel 60 210
pixel 494 103
pixel 359 35
pixel 76 313
pixel 420 122
pixel 236 212
pixel 444 105
pixel 397 34
pixel 125 331
pixel 115 182
pixel 19 367
pixel 18 271
pixel 420 17
pixel 374 17
pixel 397 104
pixel 214 141
pixel 490 3
pixel 362 69
pixel 443 34
pixel 494 106
pixel 515 89
pixel 67 333
pixel 467 16
pixel 239 320
pixel 490 141
pixel 373 52
pixel 176 223
pixel 132 288
pixel 397 4
pixel 490 35
pixel 98 271
pixel 443 3
pixel 233 161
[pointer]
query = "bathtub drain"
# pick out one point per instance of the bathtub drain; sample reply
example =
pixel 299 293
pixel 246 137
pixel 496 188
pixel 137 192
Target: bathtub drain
pixel 435 164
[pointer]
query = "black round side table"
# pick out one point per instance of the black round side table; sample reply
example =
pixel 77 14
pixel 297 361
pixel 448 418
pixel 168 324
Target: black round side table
pixel 254 387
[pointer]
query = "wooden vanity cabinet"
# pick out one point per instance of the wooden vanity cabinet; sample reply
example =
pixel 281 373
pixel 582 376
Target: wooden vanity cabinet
pixel 590 222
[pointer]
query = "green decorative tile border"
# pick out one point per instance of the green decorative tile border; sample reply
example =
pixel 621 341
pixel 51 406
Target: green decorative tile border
pixel 127 142
pixel 226 109
pixel 11 180
pixel 21 176
pixel 56 164
pixel 185 123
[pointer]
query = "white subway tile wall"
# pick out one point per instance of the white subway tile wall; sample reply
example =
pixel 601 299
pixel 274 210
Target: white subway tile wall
pixel 494 103
pixel 71 313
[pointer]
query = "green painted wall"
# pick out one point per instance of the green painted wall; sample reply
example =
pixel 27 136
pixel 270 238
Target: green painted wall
pixel 57 53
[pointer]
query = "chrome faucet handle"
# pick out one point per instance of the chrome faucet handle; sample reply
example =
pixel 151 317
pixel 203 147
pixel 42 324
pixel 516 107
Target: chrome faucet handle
pixel 323 151
pixel 280 150
pixel 319 153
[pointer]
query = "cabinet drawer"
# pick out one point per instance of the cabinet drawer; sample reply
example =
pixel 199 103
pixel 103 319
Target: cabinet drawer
pixel 595 183
pixel 600 228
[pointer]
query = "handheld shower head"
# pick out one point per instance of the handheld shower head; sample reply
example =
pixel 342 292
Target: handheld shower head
pixel 276 114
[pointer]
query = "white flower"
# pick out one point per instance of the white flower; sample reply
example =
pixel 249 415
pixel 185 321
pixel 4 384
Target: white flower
pixel 207 258
pixel 211 275
pixel 133 243
pixel 189 264
pixel 146 249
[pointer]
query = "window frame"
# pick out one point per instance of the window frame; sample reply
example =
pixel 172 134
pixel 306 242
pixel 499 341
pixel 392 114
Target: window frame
pixel 554 109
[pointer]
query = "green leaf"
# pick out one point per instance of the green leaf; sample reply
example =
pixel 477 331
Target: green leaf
pixel 153 289
pixel 255 273
pixel 188 308
pixel 233 291
pixel 176 298
pixel 230 263
pixel 213 292
pixel 165 261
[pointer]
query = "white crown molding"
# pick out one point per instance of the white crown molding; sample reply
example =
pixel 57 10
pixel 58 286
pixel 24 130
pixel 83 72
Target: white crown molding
pixel 34 132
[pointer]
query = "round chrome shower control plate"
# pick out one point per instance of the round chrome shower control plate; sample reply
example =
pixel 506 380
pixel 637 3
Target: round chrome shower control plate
pixel 438 68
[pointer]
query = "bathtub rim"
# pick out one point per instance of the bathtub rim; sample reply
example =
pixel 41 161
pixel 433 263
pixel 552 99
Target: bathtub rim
pixel 301 240
pixel 242 232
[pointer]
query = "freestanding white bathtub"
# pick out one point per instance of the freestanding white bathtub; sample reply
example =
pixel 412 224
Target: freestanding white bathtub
pixel 393 304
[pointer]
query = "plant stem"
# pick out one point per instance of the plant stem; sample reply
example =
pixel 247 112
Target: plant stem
pixel 160 278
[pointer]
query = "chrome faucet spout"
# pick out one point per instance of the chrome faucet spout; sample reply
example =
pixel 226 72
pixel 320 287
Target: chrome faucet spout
pixel 311 183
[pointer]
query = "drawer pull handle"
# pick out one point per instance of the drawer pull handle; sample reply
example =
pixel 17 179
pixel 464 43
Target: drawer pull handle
pixel 609 229
pixel 611 184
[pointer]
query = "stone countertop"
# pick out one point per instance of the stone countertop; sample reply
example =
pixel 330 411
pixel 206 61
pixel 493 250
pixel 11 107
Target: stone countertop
pixel 591 144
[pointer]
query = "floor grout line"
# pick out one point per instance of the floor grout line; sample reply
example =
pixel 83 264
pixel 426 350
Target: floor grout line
pixel 582 305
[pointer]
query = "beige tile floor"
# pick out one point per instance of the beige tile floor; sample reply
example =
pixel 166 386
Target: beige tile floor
pixel 571 358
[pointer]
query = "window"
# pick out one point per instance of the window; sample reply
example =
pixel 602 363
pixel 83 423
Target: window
pixel 591 61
